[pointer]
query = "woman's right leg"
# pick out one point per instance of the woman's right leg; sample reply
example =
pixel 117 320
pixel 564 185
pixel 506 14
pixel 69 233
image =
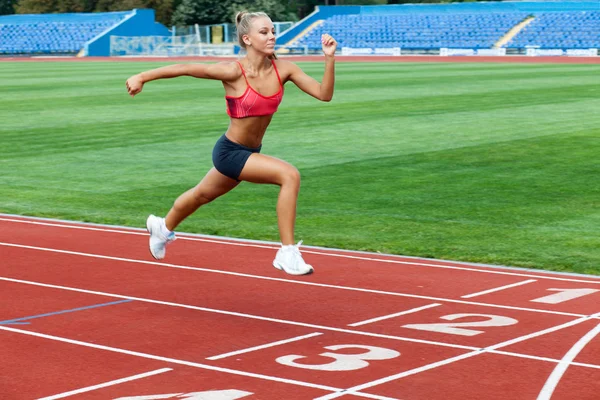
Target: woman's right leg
pixel 213 185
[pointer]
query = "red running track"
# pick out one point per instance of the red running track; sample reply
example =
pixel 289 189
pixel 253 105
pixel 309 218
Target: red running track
pixel 86 313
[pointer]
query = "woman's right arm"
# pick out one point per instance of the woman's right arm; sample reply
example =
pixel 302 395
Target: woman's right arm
pixel 223 71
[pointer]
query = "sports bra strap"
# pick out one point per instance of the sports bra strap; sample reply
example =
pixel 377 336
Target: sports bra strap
pixel 274 67
pixel 277 72
pixel 244 73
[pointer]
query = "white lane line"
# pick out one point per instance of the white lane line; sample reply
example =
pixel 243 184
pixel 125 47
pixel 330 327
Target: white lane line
pixel 268 245
pixel 563 295
pixel 264 346
pixel 249 316
pixel 491 349
pixel 468 296
pixel 106 384
pixel 318 327
pixel 194 364
pixel 169 360
pixel 295 282
pixel 542 332
pixel 564 363
pixel 82 227
pixel 538 358
pixel 397 376
pixel 384 317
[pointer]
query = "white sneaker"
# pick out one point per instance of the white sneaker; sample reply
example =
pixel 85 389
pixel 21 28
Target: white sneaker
pixel 290 260
pixel 158 240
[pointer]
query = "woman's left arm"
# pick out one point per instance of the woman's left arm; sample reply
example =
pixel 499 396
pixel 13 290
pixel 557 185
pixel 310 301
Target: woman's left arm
pixel 324 90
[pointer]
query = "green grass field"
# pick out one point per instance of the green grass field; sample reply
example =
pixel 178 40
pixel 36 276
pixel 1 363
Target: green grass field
pixel 488 163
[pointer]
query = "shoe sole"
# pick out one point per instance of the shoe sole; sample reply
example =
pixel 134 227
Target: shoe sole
pixel 276 265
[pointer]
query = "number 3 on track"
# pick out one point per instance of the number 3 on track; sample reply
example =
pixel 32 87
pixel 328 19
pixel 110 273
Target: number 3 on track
pixel 343 362
pixel 230 394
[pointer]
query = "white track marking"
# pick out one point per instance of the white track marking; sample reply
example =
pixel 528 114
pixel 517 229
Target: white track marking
pixel 193 364
pixel 562 366
pixel 384 317
pixel 342 361
pixel 237 314
pixel 542 332
pixel 468 296
pixel 296 282
pixel 82 227
pixel 106 384
pixel 168 359
pixel 264 346
pixel 350 391
pixel 319 327
pixel 538 358
pixel 306 249
pixel 400 375
pixel 227 394
pixel 143 232
pixel 564 295
pixel 460 328
pixel 490 349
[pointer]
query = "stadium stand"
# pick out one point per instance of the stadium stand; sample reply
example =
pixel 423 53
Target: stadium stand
pixel 53 33
pixel 428 31
pixel 71 33
pixel 561 30
pixel 512 26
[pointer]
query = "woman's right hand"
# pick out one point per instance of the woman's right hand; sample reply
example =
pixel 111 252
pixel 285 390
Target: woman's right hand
pixel 134 84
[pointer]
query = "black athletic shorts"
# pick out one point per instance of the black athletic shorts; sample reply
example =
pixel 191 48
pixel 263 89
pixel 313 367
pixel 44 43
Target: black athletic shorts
pixel 229 157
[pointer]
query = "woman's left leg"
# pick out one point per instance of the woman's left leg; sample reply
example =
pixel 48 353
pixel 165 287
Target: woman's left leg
pixel 265 169
pixel 261 168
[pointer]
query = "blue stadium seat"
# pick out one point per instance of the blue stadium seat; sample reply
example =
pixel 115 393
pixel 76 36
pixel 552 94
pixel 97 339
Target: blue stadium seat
pixel 53 33
pixel 573 30
pixel 414 31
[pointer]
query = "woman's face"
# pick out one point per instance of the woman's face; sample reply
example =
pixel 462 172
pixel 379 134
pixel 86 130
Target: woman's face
pixel 262 35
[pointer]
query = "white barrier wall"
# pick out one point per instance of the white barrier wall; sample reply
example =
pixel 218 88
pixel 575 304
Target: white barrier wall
pixel 445 52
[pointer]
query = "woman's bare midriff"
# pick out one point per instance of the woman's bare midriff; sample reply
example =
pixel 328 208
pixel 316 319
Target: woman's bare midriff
pixel 248 131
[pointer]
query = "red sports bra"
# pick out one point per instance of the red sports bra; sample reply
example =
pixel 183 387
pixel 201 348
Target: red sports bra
pixel 252 103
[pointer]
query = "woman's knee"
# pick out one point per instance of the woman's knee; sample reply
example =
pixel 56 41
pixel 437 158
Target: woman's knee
pixel 290 176
pixel 194 198
pixel 202 196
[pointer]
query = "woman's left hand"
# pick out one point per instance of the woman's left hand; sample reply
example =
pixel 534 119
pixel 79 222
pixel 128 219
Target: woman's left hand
pixel 329 44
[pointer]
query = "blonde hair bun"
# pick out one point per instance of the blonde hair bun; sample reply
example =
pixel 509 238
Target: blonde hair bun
pixel 239 16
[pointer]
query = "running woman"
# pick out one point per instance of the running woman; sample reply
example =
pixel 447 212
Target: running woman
pixel 254 88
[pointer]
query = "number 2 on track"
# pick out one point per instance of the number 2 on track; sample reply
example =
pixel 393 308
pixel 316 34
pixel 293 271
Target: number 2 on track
pixel 458 328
